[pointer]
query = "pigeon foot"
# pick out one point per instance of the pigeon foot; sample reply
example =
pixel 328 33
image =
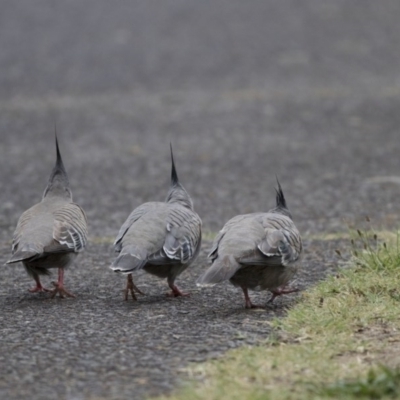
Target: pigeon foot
pixel 248 303
pixel 280 291
pixel 61 291
pixel 131 288
pixel 38 288
pixel 175 292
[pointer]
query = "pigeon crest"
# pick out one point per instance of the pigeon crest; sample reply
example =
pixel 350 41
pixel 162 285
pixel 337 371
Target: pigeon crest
pixel 281 207
pixel 177 193
pixel 58 184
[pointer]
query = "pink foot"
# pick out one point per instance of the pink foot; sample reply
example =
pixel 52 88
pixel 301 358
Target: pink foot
pixel 280 291
pixel 176 292
pixel 130 288
pixel 248 303
pixel 38 289
pixel 60 290
pixel 59 286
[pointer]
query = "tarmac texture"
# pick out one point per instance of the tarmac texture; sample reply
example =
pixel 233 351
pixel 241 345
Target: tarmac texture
pixel 244 90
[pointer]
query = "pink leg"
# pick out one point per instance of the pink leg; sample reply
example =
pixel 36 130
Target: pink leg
pixel 280 291
pixel 249 304
pixel 175 291
pixel 38 287
pixel 59 286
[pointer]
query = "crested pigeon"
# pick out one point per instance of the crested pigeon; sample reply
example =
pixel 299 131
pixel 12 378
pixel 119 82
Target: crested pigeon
pixel 51 233
pixel 256 251
pixel 162 238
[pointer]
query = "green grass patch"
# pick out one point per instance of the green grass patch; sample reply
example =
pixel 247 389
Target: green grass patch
pixel 341 340
pixel 379 383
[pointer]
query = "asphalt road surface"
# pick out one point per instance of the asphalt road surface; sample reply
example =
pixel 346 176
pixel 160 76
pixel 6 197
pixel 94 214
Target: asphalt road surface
pixel 245 90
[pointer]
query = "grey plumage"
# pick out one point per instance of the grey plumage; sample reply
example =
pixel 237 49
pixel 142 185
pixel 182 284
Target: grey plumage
pixel 256 251
pixel 163 238
pixel 52 232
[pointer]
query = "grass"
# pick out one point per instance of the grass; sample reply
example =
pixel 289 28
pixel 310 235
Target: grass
pixel 341 340
pixel 379 383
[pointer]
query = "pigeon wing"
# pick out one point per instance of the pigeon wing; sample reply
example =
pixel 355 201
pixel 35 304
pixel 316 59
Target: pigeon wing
pixel 182 239
pixel 135 215
pixel 70 228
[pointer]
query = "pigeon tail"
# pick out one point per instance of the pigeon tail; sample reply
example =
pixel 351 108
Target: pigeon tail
pixel 221 270
pixel 27 252
pixel 127 263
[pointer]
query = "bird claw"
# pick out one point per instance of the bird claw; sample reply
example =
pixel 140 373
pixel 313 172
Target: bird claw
pixel 253 306
pixel 248 303
pixel 127 291
pixel 131 288
pixel 60 290
pixel 175 292
pixel 280 291
pixel 38 289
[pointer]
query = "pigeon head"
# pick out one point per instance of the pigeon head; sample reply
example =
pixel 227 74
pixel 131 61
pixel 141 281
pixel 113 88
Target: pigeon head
pixel 281 207
pixel 177 193
pixel 58 185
